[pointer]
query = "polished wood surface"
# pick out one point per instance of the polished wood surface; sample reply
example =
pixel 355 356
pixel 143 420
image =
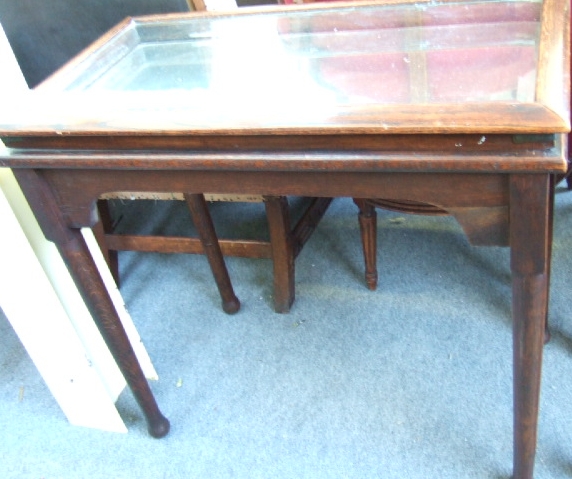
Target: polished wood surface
pixel 487 157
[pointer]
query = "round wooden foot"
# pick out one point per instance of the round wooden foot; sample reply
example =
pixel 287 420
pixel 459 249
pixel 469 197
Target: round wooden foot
pixel 159 427
pixel 232 306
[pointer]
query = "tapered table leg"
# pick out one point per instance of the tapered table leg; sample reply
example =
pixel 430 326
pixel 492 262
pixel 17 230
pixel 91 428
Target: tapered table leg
pixel 278 215
pixel 547 335
pixel 84 271
pixel 85 274
pixel 203 222
pixel 530 225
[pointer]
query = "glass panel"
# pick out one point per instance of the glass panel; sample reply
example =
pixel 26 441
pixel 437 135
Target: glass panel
pixel 415 53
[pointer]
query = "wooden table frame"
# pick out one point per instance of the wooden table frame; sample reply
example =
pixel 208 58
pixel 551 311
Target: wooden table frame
pixel 515 205
pixel 493 170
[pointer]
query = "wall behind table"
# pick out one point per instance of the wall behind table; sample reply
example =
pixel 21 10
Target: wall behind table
pixel 46 34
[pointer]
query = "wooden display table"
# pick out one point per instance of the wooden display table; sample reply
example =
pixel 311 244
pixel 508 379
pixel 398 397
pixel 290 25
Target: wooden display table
pixel 462 106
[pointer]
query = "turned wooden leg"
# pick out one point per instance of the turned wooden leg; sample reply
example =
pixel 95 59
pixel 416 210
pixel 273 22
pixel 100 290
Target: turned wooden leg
pixel 368 229
pixel 209 240
pixel 530 233
pixel 278 215
pixel 80 263
pixel 78 260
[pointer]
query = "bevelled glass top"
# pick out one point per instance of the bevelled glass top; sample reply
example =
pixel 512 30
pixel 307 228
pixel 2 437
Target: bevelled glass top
pixel 392 54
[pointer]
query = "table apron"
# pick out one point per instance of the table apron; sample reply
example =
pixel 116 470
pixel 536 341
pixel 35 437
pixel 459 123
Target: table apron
pixel 442 189
pixel 478 201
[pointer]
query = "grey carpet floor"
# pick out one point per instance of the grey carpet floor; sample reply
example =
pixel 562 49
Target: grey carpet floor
pixel 411 381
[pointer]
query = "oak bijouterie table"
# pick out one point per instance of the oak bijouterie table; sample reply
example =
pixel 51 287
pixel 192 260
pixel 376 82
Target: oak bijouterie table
pixel 458 105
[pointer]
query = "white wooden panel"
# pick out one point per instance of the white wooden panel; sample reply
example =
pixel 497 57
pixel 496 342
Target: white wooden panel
pixel 36 314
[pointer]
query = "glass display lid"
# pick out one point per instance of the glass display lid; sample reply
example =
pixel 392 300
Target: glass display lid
pixel 453 66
